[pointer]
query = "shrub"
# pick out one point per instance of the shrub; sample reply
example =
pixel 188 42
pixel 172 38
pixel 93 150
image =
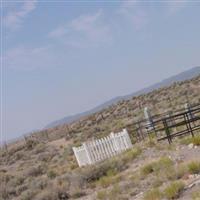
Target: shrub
pixel 19 155
pixel 53 192
pixel 47 194
pixel 114 193
pixel 164 163
pixel 188 140
pixel 68 151
pixel 17 180
pixel 194 167
pixel 94 173
pixel 105 181
pixel 151 142
pixel 102 195
pixel 131 154
pixel 173 190
pixel 30 144
pixel 196 195
pixel 39 183
pixel 196 140
pixel 153 194
pixel 39 148
pixel 21 188
pixel 51 174
pixel 148 168
pixel 181 170
pixel 78 194
pixel 27 195
pixel 35 171
pixel 4 191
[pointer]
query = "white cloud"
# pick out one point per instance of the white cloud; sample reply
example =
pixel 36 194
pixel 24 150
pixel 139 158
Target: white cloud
pixel 134 14
pixel 24 58
pixel 84 31
pixel 14 18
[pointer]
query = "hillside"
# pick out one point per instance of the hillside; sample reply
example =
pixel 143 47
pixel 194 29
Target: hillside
pixel 43 167
pixel 177 78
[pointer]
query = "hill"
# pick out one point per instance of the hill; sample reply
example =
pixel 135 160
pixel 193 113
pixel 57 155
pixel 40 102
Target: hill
pixel 43 167
pixel 180 77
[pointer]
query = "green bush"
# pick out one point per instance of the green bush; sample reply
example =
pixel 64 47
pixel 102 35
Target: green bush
pixel 151 142
pixel 173 190
pixel 165 162
pixel 196 140
pixel 114 193
pixel 181 170
pixel 27 195
pixel 153 194
pixel 35 171
pixel 196 195
pixel 156 166
pixel 68 152
pixel 131 154
pixel 188 140
pixel 148 168
pixel 102 195
pixel 77 194
pixel 51 174
pixel 108 180
pixel 194 167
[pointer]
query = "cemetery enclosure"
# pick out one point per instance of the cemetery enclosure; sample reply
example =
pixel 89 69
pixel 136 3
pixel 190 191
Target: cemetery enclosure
pixel 169 125
pixel 165 126
pixel 94 151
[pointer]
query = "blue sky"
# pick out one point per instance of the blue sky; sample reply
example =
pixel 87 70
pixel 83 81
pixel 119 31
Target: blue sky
pixel 64 57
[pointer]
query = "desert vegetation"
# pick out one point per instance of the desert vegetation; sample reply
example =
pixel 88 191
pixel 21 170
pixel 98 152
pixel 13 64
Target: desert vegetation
pixel 43 167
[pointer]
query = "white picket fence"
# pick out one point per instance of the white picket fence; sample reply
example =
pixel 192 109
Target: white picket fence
pixel 97 150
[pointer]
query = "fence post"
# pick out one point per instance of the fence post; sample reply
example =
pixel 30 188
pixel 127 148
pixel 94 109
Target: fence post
pixel 94 151
pixel 102 149
pixel 128 140
pixel 148 118
pixel 76 155
pixel 85 146
pixel 167 131
pixel 189 125
pixel 188 109
pixel 111 145
pixel 112 135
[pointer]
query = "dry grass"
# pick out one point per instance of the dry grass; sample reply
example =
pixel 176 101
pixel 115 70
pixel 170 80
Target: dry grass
pixel 153 194
pixel 173 190
pixel 191 140
pixel 196 195
pixel 194 167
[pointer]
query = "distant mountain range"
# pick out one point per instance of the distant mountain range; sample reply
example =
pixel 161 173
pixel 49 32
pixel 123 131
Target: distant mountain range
pixel 186 75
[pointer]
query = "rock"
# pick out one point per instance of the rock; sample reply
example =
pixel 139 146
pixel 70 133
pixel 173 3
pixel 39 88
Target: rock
pixel 63 196
pixel 194 176
pixel 197 182
pixel 190 146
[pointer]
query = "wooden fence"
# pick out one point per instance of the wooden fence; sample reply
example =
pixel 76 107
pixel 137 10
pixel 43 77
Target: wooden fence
pixel 97 150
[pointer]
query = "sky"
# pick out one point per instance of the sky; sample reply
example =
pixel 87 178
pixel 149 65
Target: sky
pixel 60 58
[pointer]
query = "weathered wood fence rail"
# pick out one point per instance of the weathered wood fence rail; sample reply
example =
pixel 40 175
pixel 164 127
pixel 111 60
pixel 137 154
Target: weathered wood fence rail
pixel 94 151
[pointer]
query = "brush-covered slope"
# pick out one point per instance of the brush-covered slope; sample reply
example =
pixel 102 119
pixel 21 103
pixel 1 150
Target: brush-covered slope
pixel 186 75
pixel 44 168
